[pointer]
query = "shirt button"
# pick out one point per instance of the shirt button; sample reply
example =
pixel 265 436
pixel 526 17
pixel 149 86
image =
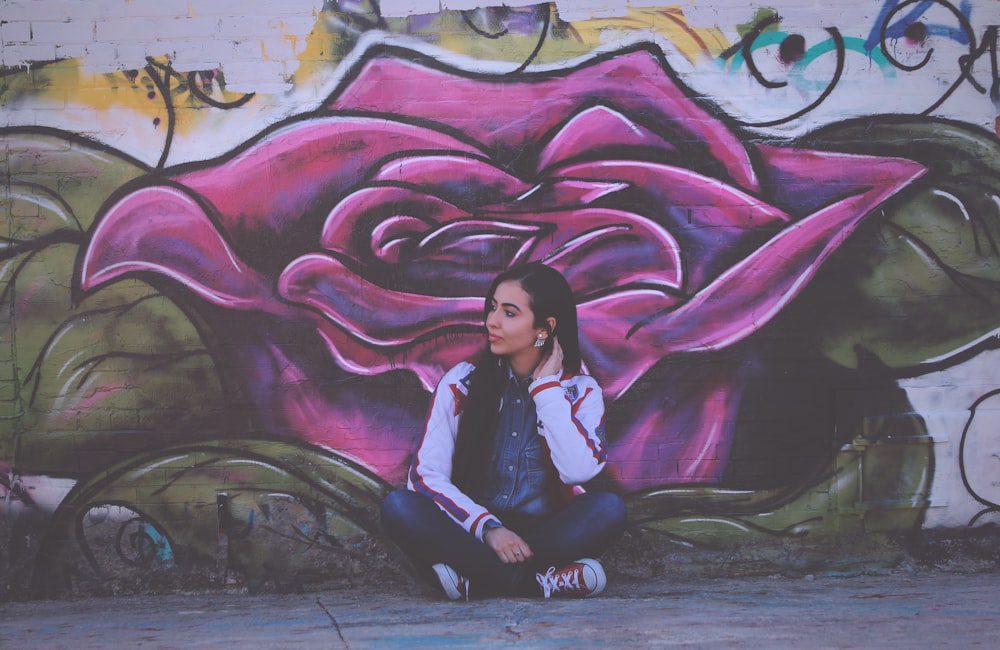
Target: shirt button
pixel 514 435
pixel 518 401
pixel 510 468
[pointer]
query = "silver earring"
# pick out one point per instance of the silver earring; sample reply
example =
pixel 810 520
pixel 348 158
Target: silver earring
pixel 540 341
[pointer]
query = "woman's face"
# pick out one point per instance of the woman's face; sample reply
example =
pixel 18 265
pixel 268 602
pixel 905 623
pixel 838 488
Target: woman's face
pixel 510 325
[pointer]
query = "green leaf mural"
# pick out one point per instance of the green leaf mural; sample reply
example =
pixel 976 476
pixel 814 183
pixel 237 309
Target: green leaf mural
pixel 268 514
pixel 93 374
pixel 922 281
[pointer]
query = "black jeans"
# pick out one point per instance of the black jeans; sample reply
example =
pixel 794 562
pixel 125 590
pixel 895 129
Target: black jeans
pixel 586 527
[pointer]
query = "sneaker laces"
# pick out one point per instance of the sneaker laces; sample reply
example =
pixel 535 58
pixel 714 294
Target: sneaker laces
pixel 552 582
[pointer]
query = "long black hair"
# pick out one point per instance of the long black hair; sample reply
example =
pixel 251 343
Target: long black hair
pixel 549 296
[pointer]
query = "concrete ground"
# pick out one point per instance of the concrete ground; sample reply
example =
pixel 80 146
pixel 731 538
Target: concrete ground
pixel 933 610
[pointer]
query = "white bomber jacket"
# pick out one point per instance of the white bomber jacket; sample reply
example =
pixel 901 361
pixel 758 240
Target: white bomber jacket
pixel 570 413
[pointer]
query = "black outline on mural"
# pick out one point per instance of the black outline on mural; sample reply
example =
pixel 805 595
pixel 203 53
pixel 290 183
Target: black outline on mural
pixel 990 42
pixel 991 506
pixel 162 82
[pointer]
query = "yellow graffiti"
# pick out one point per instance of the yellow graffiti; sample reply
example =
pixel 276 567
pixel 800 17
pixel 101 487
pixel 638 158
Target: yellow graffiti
pixel 479 34
pixel 67 83
pixel 670 24
pixel 164 104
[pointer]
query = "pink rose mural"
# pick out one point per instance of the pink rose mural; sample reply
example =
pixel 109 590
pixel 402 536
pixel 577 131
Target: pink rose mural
pixel 355 243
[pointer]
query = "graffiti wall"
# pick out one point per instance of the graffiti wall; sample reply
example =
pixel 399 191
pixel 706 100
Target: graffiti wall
pixel 239 248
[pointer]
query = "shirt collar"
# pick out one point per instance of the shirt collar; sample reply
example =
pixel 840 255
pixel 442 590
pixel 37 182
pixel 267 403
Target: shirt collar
pixel 512 378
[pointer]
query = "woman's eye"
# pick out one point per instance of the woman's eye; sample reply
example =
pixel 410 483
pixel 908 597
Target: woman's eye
pixel 510 314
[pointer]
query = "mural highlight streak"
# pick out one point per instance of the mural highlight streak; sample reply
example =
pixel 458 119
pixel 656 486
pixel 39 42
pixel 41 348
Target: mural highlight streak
pixel 224 363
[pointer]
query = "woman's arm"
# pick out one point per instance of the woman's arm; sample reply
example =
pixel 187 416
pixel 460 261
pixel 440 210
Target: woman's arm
pixel 571 419
pixel 430 472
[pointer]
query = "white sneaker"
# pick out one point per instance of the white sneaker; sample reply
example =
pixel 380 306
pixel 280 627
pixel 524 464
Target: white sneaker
pixel 454 585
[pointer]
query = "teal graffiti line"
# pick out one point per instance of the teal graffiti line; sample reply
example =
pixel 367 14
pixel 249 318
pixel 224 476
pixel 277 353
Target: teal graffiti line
pixel 163 550
pixel 797 70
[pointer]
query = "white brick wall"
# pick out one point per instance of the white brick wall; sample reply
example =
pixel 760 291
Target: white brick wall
pixel 257 44
pixel 16 32
pixel 113 35
pixel 568 9
pixel 187 29
pixel 232 34
pixel 161 8
pixel 128 30
pixel 25 53
pixel 25 10
pixel 63 32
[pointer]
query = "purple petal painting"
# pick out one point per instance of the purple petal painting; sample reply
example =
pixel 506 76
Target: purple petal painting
pixel 676 237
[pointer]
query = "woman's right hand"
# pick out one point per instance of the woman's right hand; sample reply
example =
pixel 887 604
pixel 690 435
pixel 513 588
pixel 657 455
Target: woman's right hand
pixel 508 545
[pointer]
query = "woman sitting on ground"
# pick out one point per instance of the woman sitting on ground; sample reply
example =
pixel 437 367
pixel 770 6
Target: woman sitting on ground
pixel 492 500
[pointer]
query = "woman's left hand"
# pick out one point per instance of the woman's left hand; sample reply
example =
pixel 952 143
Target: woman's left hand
pixel 552 363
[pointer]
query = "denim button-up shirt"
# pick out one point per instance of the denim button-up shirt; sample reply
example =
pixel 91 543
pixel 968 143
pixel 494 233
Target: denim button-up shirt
pixel 516 482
